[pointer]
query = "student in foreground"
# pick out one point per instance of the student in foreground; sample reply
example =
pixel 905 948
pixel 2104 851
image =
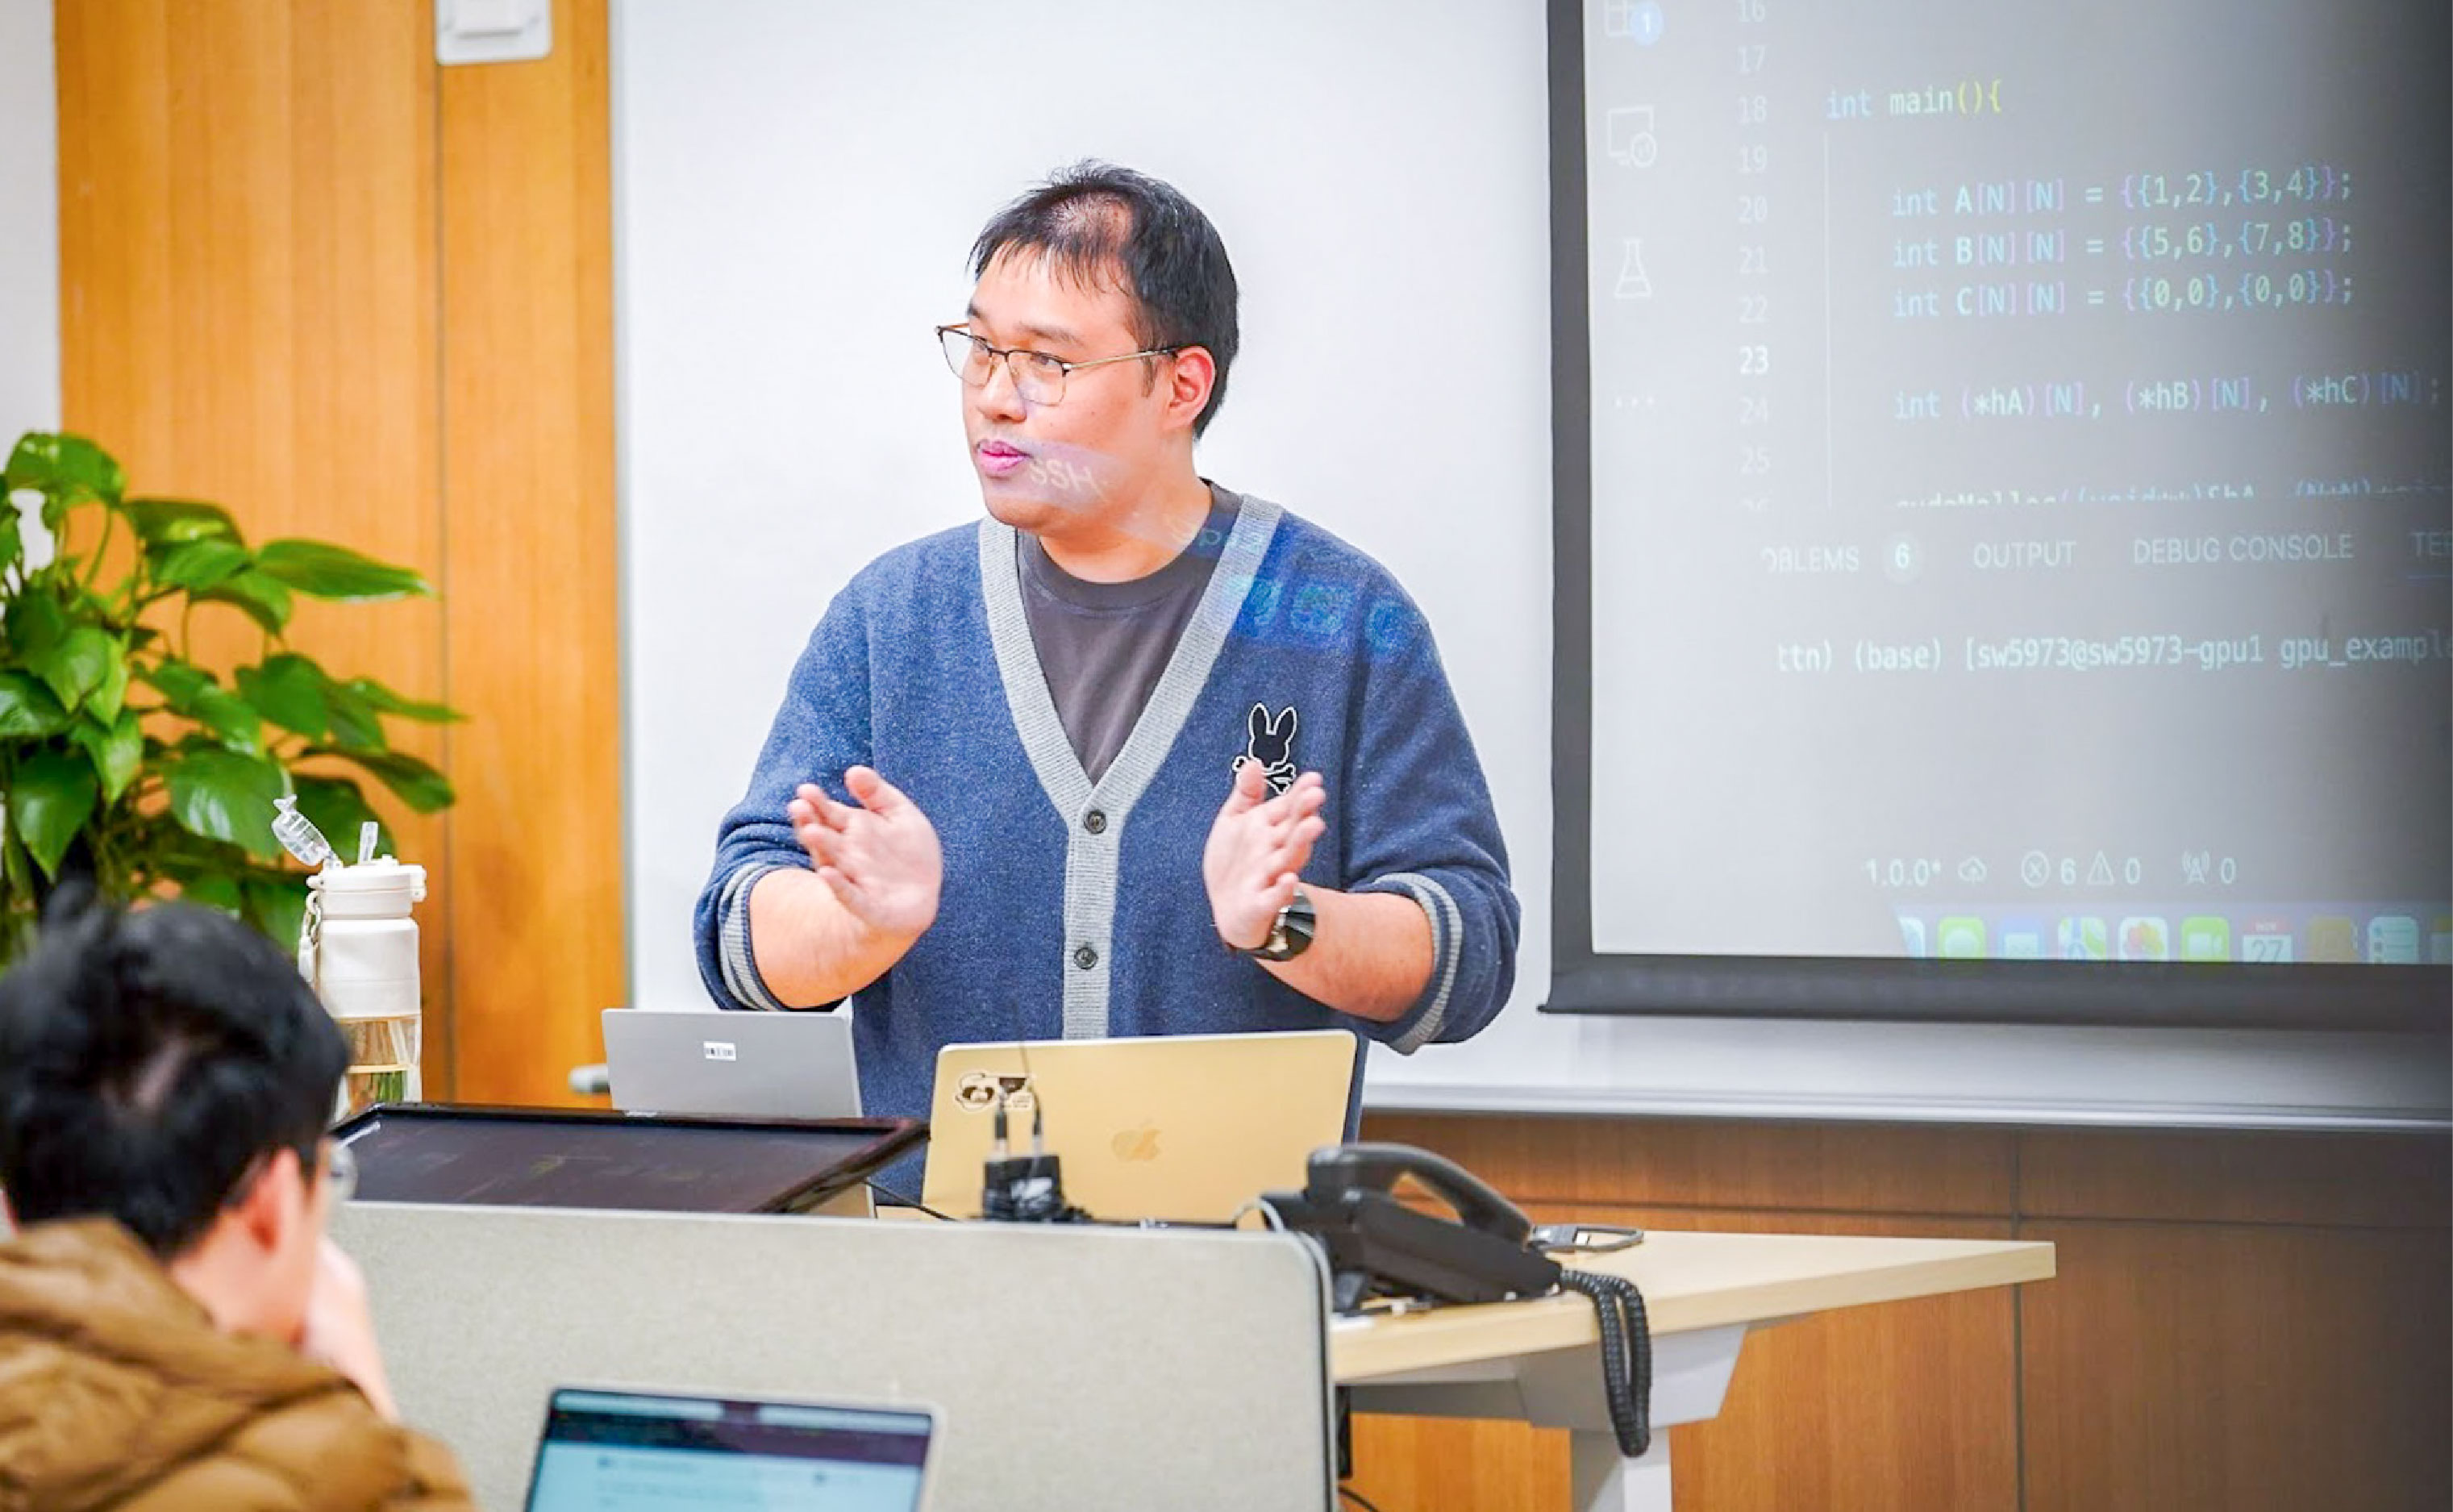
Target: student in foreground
pixel 176 1332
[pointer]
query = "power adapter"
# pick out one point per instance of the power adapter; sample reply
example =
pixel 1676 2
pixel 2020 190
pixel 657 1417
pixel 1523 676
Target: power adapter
pixel 1025 1189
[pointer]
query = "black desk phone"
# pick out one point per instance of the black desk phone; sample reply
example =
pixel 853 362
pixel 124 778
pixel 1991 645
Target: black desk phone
pixel 1380 1247
pixel 1377 1246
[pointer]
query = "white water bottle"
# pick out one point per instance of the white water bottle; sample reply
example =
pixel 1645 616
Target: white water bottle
pixel 357 947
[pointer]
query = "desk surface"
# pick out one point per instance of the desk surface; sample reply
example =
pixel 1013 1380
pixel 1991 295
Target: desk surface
pixel 1689 1281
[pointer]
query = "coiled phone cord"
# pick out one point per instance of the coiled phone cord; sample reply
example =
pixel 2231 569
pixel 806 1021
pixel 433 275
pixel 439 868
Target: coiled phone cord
pixel 1626 1354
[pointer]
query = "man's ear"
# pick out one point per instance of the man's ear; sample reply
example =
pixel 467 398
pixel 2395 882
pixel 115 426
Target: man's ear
pixel 1192 374
pixel 274 1200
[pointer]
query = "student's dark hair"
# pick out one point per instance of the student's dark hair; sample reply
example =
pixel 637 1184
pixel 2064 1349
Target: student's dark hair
pixel 1099 223
pixel 149 1060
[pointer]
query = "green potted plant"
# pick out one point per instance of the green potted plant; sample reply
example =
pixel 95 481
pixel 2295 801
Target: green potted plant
pixel 125 761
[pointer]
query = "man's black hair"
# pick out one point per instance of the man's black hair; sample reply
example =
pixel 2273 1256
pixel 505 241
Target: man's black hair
pixel 1099 223
pixel 147 1060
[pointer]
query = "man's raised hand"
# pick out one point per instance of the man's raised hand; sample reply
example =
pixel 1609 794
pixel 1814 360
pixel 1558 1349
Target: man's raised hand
pixel 879 854
pixel 1258 847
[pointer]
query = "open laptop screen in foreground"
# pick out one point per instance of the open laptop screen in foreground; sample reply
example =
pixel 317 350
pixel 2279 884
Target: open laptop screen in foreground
pixel 616 1451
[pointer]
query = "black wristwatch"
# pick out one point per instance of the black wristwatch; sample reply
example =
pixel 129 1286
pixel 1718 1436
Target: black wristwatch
pixel 1290 936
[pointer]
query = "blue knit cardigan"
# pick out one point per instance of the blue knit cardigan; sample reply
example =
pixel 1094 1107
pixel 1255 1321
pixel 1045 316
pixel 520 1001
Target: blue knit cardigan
pixel 1074 909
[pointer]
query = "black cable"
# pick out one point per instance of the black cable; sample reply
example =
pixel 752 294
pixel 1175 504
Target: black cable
pixel 1358 1498
pixel 901 1201
pixel 1626 1355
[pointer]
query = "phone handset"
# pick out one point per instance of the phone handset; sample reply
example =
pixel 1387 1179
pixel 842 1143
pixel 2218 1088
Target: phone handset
pixel 1377 1246
pixel 1380 1167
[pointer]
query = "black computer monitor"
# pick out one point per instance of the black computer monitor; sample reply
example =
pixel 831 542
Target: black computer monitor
pixel 429 1152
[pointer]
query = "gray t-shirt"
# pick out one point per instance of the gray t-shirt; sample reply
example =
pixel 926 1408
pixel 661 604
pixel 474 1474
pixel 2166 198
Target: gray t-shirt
pixel 1103 646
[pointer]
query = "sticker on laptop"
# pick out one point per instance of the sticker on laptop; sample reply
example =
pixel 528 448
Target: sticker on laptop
pixel 977 1092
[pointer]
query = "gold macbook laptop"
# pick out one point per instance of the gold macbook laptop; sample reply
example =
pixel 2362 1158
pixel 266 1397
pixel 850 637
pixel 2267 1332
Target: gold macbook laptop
pixel 1186 1128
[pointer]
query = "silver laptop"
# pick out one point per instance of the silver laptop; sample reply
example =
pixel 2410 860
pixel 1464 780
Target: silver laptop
pixel 731 1064
pixel 619 1449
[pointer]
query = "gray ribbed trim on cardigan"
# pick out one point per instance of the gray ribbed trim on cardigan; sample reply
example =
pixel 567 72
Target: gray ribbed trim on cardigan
pixel 1448 936
pixel 740 964
pixel 1090 859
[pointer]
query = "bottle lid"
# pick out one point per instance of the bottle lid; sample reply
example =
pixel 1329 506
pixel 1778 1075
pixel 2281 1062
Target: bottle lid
pixel 371 880
pixel 298 834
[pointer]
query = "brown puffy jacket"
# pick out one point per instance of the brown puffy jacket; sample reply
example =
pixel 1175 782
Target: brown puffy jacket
pixel 117 1391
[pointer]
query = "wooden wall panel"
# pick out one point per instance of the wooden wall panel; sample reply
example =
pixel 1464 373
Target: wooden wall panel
pixel 2241 1320
pixel 535 890
pixel 1704 1162
pixel 309 274
pixel 2235 1368
pixel 248 304
pixel 1459 1464
pixel 2392 1181
pixel 1909 1407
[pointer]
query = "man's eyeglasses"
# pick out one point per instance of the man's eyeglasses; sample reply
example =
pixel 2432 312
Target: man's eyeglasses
pixel 340 1170
pixel 1038 377
pixel 329 1159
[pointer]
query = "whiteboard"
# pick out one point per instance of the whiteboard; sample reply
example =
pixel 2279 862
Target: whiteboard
pixel 795 187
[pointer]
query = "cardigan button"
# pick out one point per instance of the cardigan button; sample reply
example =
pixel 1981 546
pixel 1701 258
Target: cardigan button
pixel 1084 956
pixel 1095 821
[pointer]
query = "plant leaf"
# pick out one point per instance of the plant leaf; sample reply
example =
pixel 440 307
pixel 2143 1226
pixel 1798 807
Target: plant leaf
pixel 223 795
pixel 234 719
pixel 201 884
pixel 337 807
pixel 288 691
pixel 162 522
pixel 386 701
pixel 354 725
pixel 179 681
pixel 79 664
pixel 14 867
pixel 106 701
pixel 198 565
pixel 117 750
pixel 51 797
pixel 410 780
pixel 275 905
pixel 321 570
pixel 64 467
pixel 12 534
pixel 256 593
pixel 35 622
pixel 28 709
pixel 193 692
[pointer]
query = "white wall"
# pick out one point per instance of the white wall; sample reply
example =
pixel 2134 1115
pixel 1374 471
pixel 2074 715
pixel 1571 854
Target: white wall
pixel 795 187
pixel 796 193
pixel 30 224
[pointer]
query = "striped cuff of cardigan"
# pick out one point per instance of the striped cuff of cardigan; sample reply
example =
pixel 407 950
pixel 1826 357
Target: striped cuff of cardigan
pixel 733 947
pixel 1447 941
